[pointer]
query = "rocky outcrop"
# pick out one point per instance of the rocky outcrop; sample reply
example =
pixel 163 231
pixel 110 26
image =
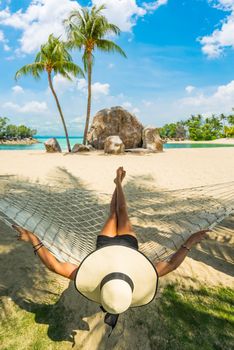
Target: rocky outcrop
pixel 115 121
pixel 114 145
pixel 81 148
pixel 52 146
pixel 152 140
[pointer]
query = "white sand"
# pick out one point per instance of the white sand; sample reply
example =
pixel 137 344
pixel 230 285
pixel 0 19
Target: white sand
pixel 172 169
pixel 224 141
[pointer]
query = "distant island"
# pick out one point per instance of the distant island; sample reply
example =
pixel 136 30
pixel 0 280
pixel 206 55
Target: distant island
pixel 11 134
pixel 199 128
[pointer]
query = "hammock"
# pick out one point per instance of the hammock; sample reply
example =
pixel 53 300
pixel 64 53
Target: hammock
pixel 68 220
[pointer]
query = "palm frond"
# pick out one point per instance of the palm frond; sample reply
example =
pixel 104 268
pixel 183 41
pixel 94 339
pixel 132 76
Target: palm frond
pixel 34 69
pixel 109 46
pixel 67 67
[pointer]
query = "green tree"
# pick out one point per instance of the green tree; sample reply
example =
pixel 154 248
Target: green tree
pixel 3 123
pixel 11 130
pixel 53 58
pixel 229 131
pixel 23 131
pixel 180 130
pixel 194 124
pixel 230 120
pixel 87 30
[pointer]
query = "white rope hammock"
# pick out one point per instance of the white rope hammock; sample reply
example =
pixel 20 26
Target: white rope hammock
pixel 68 220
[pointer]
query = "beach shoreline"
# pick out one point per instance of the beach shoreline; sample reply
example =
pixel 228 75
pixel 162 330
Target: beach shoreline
pixel 26 141
pixel 228 141
pixel 173 168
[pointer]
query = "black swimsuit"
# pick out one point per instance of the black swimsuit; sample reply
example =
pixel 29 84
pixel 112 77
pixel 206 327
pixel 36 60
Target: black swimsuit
pixel 125 240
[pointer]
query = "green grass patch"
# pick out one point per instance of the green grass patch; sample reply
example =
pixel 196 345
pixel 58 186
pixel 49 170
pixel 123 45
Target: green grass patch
pixel 181 319
pixel 191 319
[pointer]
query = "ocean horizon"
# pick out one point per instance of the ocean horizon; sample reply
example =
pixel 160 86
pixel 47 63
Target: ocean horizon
pixel 79 139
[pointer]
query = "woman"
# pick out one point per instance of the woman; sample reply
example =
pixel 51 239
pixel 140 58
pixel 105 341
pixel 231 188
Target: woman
pixel 116 275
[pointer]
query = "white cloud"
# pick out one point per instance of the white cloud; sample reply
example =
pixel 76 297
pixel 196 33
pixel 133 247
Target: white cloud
pixel 98 89
pixel 1 36
pixel 147 103
pixel 154 5
pixel 3 40
pixel 43 17
pixel 123 13
pixel 77 121
pixel 29 107
pixel 62 84
pixel 17 89
pixel 221 101
pixel 213 45
pixel 82 85
pixel 135 111
pixel 189 89
pixel 129 107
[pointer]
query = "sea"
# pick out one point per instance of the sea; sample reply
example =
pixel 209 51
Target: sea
pixel 79 139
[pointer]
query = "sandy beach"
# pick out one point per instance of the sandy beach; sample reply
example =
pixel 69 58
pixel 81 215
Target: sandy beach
pixel 172 169
pixel 224 141
pixel 210 263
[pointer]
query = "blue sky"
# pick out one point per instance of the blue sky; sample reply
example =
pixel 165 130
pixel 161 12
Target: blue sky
pixel 180 62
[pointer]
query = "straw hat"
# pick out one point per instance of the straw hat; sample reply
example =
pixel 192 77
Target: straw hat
pixel 117 277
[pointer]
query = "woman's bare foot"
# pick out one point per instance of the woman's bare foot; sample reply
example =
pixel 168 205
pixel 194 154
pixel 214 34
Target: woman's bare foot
pixel 120 175
pixel 23 235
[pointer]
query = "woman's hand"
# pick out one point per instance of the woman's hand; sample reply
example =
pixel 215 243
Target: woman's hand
pixel 23 235
pixel 197 237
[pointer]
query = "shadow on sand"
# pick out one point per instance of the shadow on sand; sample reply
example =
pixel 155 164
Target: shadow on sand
pixel 72 318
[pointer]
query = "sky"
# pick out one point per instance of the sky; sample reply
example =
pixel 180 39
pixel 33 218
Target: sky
pixel 180 61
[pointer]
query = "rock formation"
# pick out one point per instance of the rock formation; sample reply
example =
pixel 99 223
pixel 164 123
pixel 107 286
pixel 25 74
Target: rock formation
pixel 115 121
pixel 114 145
pixel 52 146
pixel 81 148
pixel 152 140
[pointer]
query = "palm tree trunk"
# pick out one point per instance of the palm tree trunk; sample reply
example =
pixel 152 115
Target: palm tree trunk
pixel 89 98
pixel 60 111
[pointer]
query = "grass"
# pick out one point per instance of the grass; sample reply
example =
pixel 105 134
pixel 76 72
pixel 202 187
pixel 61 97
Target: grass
pixel 183 319
pixel 192 319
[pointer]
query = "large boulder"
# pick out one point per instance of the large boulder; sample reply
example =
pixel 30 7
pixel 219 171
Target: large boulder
pixel 52 146
pixel 115 121
pixel 81 148
pixel 114 145
pixel 152 140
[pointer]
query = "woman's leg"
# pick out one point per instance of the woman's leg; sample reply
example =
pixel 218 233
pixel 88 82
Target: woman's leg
pixel 124 225
pixel 110 226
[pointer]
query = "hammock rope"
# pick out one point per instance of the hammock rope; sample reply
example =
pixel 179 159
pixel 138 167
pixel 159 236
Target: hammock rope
pixel 68 220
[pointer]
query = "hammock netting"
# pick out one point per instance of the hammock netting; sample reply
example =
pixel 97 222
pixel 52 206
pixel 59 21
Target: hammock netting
pixel 68 220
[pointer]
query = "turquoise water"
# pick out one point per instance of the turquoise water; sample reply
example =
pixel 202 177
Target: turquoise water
pixel 40 146
pixel 79 139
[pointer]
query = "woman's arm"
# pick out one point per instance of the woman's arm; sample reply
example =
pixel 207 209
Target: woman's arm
pixel 164 267
pixel 64 269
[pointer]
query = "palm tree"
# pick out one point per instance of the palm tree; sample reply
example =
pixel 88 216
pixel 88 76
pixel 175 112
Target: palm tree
pixel 87 29
pixel 53 58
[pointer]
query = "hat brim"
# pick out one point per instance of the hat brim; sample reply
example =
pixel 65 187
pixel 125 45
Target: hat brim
pixel 116 258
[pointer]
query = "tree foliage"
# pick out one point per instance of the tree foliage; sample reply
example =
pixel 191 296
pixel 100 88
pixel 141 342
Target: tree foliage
pixel 198 128
pixel 9 131
pixel 89 30
pixel 53 58
pixel 173 130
